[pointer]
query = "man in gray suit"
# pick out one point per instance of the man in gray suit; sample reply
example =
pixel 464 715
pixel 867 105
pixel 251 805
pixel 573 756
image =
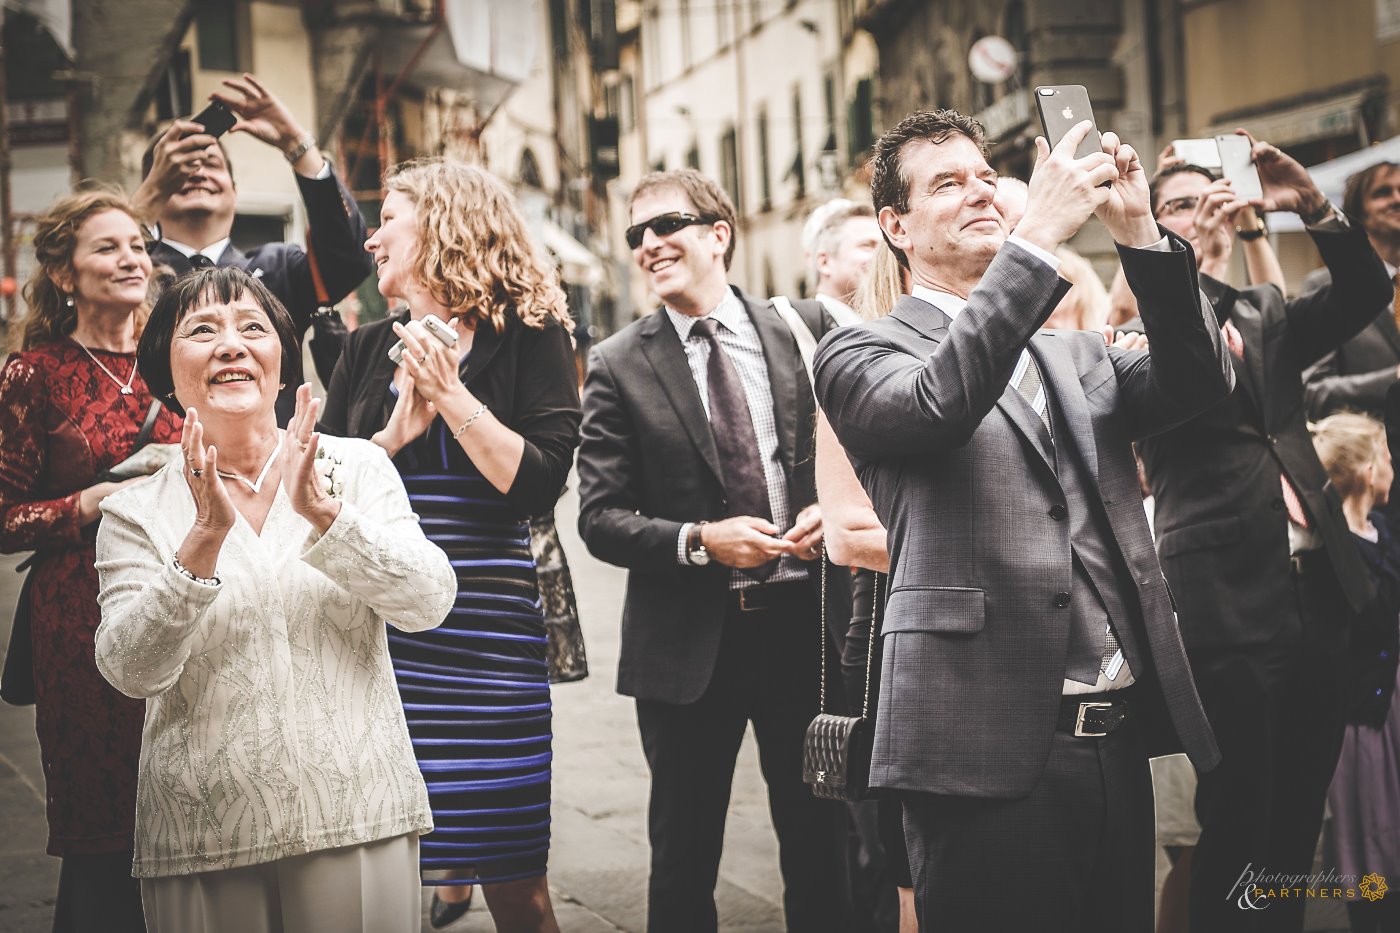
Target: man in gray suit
pixel 1356 375
pixel 1031 659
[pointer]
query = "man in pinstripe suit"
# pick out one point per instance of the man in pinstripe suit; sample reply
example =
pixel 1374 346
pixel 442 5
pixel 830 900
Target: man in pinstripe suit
pixel 1031 658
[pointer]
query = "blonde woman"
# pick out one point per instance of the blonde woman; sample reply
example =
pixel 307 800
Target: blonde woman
pixel 72 402
pixel 483 433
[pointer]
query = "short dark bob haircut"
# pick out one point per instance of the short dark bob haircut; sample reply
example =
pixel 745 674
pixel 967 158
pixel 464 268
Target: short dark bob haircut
pixel 197 290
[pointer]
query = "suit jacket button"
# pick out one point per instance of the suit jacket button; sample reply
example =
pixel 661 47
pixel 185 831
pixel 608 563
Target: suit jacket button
pixel 1061 600
pixel 1058 512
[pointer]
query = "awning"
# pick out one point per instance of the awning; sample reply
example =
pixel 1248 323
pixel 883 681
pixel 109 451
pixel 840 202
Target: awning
pixel 1321 119
pixel 1332 177
pixel 577 264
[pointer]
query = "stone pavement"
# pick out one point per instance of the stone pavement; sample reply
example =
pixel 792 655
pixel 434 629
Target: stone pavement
pixel 599 856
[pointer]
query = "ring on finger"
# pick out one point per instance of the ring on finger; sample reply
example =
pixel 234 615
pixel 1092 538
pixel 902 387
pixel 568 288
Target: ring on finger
pixel 196 472
pixel 301 445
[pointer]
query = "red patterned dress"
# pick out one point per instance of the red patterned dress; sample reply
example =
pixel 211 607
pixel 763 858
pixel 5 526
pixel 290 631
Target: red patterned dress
pixel 62 422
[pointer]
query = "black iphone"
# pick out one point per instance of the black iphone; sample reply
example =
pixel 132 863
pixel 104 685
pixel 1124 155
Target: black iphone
pixel 216 119
pixel 1062 106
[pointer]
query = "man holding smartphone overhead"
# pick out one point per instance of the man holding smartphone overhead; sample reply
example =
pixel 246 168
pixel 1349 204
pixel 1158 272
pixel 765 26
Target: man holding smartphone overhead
pixel 1254 544
pixel 1031 660
pixel 187 196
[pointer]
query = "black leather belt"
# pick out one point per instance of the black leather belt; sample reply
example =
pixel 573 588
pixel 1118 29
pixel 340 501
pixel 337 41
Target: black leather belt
pixel 1093 715
pixel 763 596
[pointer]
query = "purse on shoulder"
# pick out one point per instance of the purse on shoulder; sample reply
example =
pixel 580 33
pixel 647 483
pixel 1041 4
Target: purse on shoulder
pixel 836 749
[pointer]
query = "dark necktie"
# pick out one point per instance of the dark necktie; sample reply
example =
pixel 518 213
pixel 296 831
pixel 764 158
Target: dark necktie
pixel 1030 388
pixel 201 261
pixel 745 486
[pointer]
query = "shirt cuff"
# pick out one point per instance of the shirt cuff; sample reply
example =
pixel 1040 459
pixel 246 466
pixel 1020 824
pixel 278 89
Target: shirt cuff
pixel 1049 259
pixel 681 557
pixel 325 171
pixel 1161 246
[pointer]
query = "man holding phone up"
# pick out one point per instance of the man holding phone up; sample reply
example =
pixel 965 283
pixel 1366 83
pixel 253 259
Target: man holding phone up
pixel 1254 544
pixel 1031 660
pixel 188 196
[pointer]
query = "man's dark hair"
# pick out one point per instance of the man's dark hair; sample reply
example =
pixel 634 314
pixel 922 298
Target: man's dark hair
pixel 193 291
pixel 1180 168
pixel 704 192
pixel 148 158
pixel 888 186
pixel 1359 185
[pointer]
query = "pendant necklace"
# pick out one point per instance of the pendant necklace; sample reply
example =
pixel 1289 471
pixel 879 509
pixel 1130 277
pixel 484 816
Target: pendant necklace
pixel 124 386
pixel 256 485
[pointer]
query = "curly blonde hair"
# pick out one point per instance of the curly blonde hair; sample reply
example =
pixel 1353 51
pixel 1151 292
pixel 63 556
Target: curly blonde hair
pixel 474 254
pixel 50 316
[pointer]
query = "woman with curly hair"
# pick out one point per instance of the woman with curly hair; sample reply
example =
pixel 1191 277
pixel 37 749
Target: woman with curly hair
pixel 72 405
pixel 483 433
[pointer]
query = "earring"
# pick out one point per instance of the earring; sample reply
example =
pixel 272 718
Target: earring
pixel 68 300
pixel 281 386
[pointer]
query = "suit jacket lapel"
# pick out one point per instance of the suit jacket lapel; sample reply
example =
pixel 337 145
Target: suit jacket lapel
pixel 781 355
pixel 233 256
pixel 666 356
pixel 1386 324
pixel 1061 379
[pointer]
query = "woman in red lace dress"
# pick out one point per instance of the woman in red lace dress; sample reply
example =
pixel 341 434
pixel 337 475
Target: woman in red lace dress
pixel 71 407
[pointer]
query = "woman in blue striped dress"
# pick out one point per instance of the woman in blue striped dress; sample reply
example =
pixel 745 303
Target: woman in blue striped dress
pixel 483 434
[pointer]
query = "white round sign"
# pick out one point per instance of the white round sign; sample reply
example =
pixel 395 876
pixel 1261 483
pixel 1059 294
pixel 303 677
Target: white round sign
pixel 992 59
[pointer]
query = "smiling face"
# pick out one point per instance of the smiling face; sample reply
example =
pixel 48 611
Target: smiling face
pixel 1177 197
pixel 685 269
pixel 395 245
pixel 226 359
pixel 1380 207
pixel 952 228
pixel 208 192
pixel 110 266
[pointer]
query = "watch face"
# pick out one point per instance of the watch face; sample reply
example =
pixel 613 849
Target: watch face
pixel 700 558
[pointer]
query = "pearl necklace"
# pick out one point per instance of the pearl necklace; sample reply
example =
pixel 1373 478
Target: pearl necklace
pixel 124 386
pixel 256 485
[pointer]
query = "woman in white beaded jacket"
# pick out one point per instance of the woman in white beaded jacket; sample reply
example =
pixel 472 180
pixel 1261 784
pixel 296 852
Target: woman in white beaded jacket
pixel 244 593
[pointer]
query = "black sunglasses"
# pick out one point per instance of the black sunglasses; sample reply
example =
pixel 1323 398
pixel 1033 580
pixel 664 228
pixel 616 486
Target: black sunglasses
pixel 664 225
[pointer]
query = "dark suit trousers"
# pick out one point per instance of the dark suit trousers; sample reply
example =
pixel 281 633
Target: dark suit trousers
pixel 766 673
pixel 1074 855
pixel 1278 712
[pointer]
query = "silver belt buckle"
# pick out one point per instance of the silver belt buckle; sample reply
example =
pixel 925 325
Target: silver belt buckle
pixel 1079 720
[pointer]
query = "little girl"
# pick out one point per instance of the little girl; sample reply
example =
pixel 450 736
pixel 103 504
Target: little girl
pixel 1364 799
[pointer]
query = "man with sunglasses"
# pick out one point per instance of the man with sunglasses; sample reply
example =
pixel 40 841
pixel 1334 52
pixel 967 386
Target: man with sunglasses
pixel 1255 546
pixel 696 473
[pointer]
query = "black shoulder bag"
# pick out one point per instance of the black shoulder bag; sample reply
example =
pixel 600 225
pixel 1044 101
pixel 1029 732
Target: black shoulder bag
pixel 17 679
pixel 836 749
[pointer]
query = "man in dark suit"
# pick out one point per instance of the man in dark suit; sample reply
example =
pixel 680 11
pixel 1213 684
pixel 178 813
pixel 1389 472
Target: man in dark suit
pixel 1254 544
pixel 187 194
pixel 1030 654
pixel 1356 375
pixel 696 473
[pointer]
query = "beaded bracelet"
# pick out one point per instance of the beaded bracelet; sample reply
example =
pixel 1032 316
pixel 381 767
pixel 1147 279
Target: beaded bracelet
pixel 468 423
pixel 204 581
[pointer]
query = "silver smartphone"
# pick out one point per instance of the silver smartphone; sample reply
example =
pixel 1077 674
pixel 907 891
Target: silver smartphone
pixel 1237 164
pixel 1202 152
pixel 435 326
pixel 1061 107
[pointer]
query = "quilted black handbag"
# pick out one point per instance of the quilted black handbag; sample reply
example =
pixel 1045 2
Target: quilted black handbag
pixel 836 749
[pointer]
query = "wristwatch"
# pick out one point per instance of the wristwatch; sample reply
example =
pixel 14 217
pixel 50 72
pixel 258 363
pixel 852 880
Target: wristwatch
pixel 695 551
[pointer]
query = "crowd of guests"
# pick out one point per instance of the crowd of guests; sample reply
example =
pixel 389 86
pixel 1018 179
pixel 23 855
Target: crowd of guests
pixel 289 657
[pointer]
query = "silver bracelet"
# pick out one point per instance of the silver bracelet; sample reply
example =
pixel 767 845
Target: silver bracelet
pixel 468 423
pixel 303 146
pixel 205 581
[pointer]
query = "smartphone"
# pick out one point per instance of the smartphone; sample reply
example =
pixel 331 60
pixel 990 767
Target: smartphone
pixel 1201 152
pixel 435 326
pixel 1237 164
pixel 1061 107
pixel 216 119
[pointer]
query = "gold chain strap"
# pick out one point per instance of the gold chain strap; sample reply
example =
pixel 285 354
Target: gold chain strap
pixel 869 649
